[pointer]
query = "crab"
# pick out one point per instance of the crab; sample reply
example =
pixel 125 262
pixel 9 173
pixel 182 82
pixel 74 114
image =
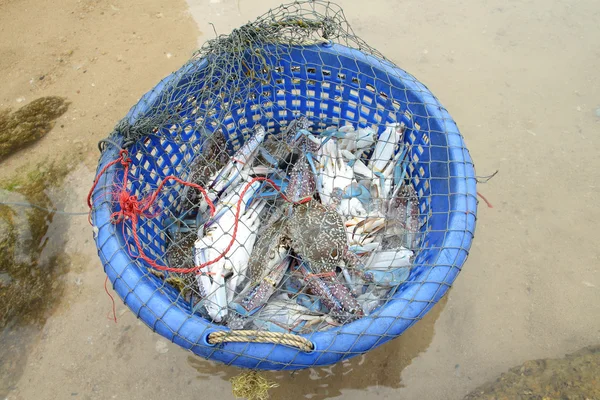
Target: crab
pixel 267 265
pixel 283 315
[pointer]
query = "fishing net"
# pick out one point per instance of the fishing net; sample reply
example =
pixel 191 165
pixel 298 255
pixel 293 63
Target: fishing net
pixel 288 198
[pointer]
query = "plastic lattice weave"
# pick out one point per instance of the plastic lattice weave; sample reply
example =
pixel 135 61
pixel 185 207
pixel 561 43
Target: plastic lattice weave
pixel 288 198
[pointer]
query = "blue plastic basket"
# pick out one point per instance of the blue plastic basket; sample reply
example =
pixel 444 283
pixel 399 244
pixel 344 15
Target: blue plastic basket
pixel 309 81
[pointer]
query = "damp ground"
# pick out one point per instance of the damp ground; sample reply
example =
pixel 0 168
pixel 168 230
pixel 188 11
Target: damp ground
pixel 520 79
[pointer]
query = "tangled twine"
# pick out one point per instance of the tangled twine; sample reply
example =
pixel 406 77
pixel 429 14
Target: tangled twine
pixel 251 385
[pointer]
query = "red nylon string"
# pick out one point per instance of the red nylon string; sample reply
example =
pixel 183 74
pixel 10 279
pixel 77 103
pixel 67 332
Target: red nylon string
pixel 132 208
pixel 486 200
pixel 114 311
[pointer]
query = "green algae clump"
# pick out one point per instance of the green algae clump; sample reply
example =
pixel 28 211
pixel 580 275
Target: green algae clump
pixel 29 260
pixel 29 123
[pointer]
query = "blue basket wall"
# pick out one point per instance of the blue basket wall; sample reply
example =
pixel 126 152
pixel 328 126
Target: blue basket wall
pixel 331 84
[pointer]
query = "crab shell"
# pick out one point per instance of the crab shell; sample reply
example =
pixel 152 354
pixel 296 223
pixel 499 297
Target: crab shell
pixel 318 235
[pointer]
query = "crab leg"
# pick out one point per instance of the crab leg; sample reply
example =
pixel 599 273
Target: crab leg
pixel 310 157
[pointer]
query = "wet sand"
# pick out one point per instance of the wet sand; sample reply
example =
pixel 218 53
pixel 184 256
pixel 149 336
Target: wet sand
pixel 572 377
pixel 521 80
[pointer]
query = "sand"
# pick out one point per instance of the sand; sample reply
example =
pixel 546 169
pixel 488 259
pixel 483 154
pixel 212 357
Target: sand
pixel 521 79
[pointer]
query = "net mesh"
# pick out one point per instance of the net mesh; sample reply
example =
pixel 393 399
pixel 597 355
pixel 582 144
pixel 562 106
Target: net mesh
pixel 287 179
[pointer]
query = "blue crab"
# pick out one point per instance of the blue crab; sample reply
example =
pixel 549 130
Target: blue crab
pixel 283 315
pixel 268 263
pixel 386 165
pixel 403 211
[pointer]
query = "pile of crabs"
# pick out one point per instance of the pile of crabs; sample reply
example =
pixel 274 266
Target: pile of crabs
pixel 321 238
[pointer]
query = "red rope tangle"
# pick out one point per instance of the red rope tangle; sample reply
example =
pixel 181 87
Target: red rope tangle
pixel 132 209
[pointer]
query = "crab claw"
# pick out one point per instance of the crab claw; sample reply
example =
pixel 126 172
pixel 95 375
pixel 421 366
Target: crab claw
pixel 400 170
pixel 336 174
pixel 216 302
pixel 231 173
pixel 364 139
pixel 214 239
pixel 293 127
pixel 356 141
pixel 306 134
pixel 349 138
pixel 360 240
pixel 366 224
pixel 371 300
pixel 386 178
pixel 352 221
pixel 217 309
pixel 361 230
pixel 385 147
pixel 388 268
pixel 258 292
pixel 202 278
pixel 228 206
pixel 282 316
pixel 358 191
pixel 268 192
pixel 209 290
pixel 308 148
pixel 330 133
pixel 358 167
pixel 177 226
pixel 268 157
pixel 237 259
pixel 310 302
